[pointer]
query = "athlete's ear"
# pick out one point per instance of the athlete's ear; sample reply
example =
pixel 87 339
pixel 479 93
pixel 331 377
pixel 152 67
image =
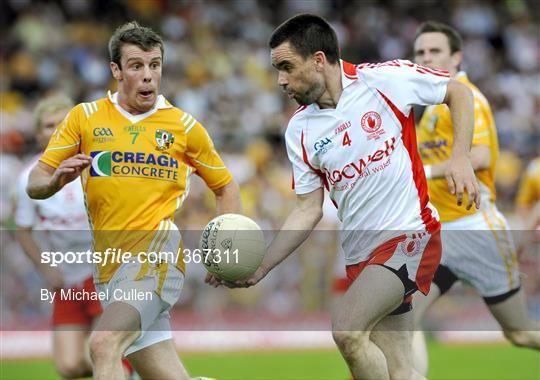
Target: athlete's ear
pixel 319 58
pixel 457 57
pixel 116 72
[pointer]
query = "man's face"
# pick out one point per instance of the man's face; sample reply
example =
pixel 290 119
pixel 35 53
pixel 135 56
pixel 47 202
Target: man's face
pixel 432 49
pixel 298 77
pixel 139 78
pixel 48 123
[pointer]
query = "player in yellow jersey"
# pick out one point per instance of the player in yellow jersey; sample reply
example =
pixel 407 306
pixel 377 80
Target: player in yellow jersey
pixel 528 197
pixel 479 249
pixel 135 153
pixel 528 208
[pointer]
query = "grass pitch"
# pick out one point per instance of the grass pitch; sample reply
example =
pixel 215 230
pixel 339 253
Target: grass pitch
pixel 448 362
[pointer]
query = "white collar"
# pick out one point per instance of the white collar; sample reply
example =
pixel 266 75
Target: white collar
pixel 161 103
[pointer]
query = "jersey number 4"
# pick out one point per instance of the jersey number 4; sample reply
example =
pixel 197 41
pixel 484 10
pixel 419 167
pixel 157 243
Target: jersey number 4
pixel 346 139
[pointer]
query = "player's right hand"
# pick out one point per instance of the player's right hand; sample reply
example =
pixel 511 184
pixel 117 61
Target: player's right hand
pixel 461 179
pixel 69 170
pixel 54 278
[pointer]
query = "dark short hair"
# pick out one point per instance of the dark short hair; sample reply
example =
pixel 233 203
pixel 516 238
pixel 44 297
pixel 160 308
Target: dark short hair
pixel 454 39
pixel 307 34
pixel 132 33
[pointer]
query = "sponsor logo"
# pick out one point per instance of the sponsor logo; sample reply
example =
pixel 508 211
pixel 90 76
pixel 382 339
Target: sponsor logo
pixel 101 164
pixel 134 128
pixel 358 169
pixel 434 144
pixel 164 140
pixel 133 164
pixel 371 123
pixel 206 234
pixel 134 131
pixel 322 146
pixel 342 127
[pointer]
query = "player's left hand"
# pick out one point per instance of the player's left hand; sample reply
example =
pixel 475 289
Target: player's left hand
pixel 212 280
pixel 259 274
pixel 460 176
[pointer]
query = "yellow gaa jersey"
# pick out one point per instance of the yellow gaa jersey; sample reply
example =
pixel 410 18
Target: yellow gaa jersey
pixel 529 188
pixel 435 139
pixel 140 172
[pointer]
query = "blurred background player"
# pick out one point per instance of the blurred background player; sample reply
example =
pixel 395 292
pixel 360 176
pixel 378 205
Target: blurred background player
pixel 528 208
pixel 528 196
pixel 135 153
pixel 479 250
pixel 60 223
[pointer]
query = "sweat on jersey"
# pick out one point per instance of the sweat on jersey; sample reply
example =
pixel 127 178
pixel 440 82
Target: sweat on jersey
pixel 140 172
pixel 364 152
pixel 435 140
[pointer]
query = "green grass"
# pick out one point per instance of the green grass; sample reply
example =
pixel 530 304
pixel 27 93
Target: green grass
pixel 446 362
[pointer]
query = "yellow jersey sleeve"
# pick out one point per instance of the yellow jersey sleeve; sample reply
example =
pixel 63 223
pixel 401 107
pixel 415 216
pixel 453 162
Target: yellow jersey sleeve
pixel 529 188
pixel 205 159
pixel 435 140
pixel 66 139
pixel 482 122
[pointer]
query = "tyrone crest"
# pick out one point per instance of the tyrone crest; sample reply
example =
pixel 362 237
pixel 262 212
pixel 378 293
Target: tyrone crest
pixel 164 140
pixel 371 123
pixel 410 247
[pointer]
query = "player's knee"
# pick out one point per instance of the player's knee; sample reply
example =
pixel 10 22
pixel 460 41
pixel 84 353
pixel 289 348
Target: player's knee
pixel 350 342
pixel 104 344
pixel 523 338
pixel 73 368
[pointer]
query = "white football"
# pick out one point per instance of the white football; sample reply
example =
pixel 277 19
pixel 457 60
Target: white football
pixel 232 247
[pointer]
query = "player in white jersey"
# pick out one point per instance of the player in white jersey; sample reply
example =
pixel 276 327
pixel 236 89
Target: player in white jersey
pixel 355 135
pixel 477 245
pixel 60 224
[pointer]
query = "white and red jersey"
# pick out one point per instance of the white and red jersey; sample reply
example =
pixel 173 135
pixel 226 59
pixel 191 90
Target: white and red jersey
pixel 364 152
pixel 60 224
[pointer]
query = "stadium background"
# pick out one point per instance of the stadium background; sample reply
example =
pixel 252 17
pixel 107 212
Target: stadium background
pixel 217 68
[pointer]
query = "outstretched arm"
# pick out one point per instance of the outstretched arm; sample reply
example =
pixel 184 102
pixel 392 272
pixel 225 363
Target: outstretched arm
pixel 228 199
pixel 298 226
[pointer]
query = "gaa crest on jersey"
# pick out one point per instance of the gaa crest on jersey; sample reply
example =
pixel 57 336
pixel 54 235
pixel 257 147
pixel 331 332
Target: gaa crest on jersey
pixel 371 123
pixel 322 146
pixel 164 140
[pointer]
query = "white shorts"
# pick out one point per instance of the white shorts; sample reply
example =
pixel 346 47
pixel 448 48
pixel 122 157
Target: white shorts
pixel 145 295
pixel 480 251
